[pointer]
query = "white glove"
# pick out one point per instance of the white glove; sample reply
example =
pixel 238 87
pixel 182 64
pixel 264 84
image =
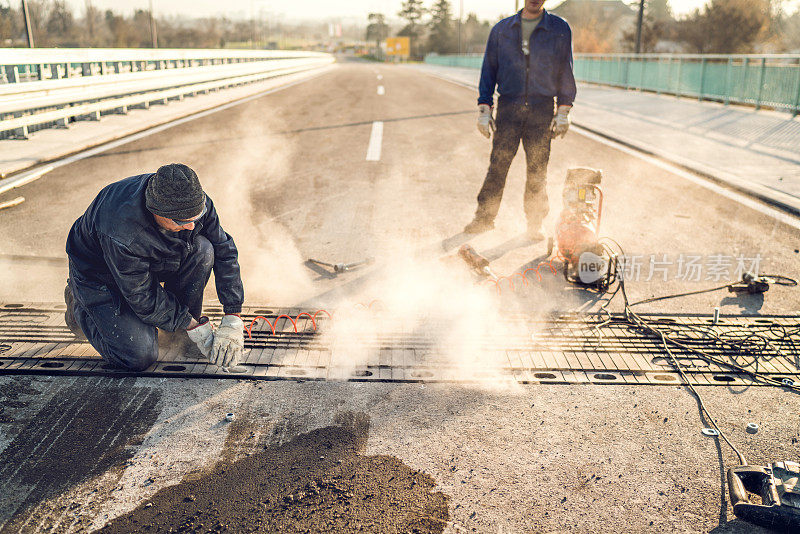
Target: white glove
pixel 485 120
pixel 560 123
pixel 228 342
pixel 202 335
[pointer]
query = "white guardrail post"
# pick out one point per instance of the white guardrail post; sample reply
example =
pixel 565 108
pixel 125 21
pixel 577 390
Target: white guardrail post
pixel 42 88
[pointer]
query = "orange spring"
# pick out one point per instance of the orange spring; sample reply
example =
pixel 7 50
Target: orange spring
pixel 524 275
pixel 294 321
pixel 370 305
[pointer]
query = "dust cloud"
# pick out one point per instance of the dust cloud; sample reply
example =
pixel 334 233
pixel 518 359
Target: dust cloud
pixel 240 182
pixel 421 305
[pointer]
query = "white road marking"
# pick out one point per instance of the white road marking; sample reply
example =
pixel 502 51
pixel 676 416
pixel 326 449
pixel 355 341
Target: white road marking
pixel 380 76
pixel 381 90
pixel 375 140
pixel 23 179
pixel 741 198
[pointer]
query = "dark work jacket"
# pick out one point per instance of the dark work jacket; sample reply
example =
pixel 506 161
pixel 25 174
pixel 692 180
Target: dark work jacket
pixel 117 251
pixel 536 79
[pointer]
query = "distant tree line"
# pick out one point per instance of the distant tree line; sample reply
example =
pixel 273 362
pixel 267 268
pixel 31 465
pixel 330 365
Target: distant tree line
pixel 721 26
pixel 55 24
pixel 436 29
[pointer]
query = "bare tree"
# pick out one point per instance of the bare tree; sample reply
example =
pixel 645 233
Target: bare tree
pixel 596 26
pixel 475 33
pixel 725 26
pixel 10 26
pixel 791 33
pixel 653 31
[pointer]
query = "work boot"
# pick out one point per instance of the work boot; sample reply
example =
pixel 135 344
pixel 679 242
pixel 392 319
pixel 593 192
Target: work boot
pixel 69 315
pixel 478 226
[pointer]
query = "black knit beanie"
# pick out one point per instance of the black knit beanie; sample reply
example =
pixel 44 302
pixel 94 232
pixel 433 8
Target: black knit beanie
pixel 174 192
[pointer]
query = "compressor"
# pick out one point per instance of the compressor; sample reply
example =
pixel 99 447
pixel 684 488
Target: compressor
pixel 586 261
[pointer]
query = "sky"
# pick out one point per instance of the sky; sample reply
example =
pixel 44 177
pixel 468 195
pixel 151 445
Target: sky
pixel 323 9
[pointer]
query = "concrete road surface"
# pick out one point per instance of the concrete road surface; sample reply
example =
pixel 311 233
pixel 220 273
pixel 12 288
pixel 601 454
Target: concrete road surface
pixel 340 170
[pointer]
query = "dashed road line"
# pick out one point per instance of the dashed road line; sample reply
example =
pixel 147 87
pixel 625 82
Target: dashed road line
pixel 381 90
pixel 375 141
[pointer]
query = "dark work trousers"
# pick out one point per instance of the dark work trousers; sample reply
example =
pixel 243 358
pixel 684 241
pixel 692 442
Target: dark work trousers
pixel 531 124
pixel 117 333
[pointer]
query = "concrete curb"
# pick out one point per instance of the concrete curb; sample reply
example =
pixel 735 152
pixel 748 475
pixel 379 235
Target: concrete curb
pixel 769 196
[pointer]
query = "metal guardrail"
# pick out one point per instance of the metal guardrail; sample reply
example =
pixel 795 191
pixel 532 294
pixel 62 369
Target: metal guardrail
pixel 51 87
pixel 757 80
pixel 26 65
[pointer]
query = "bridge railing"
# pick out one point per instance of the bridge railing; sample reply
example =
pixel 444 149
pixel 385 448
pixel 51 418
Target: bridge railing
pixel 771 80
pixel 50 87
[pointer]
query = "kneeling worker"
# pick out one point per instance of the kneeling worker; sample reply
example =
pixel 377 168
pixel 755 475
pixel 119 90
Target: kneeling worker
pixel 141 232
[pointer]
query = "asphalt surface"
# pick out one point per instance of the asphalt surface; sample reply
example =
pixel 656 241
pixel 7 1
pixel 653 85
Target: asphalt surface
pixel 290 178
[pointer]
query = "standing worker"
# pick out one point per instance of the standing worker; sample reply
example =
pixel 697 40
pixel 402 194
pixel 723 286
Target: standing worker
pixel 141 232
pixel 529 59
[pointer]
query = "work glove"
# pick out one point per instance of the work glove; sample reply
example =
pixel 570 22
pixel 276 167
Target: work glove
pixel 202 335
pixel 485 120
pixel 228 342
pixel 560 123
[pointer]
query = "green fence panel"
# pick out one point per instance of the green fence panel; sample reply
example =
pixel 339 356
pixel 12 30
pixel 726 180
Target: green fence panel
pixel 758 80
pixel 715 80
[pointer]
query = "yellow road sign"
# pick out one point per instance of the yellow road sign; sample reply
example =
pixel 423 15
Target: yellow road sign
pixel 398 46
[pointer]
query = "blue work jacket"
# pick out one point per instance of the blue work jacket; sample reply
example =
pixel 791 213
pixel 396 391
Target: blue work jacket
pixel 117 251
pixel 543 75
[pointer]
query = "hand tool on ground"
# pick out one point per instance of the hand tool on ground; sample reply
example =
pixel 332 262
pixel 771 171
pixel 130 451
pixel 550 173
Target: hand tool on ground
pixel 751 284
pixel 586 260
pixel 343 267
pixel 476 261
pixel 776 484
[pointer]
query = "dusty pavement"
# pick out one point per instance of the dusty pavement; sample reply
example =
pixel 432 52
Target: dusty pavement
pixel 289 176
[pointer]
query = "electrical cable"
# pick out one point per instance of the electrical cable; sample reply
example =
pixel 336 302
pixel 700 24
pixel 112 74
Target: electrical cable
pixel 685 378
pixel 677 295
pixel 744 342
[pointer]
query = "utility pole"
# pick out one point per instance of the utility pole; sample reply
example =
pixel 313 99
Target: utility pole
pixel 27 23
pixel 639 27
pixel 516 6
pixel 153 29
pixel 460 22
